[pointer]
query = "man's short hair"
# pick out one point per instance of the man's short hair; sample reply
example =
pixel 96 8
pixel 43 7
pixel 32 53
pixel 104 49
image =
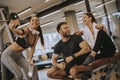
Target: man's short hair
pixel 59 25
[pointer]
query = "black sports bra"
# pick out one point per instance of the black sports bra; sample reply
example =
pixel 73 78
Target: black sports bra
pixel 23 42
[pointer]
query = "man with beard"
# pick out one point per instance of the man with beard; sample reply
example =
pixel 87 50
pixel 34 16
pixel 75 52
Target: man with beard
pixel 73 50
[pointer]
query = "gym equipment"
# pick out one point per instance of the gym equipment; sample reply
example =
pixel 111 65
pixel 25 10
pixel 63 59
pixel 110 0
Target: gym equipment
pixel 111 64
pixel 3 27
pixel 44 57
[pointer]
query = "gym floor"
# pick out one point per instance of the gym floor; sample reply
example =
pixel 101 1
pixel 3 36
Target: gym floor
pixel 43 75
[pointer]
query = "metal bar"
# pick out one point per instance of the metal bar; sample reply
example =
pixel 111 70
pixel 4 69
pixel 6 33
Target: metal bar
pixel 106 14
pixel 2 48
pixel 8 31
pixel 3 68
pixel 109 73
pixel 117 2
pixel 3 20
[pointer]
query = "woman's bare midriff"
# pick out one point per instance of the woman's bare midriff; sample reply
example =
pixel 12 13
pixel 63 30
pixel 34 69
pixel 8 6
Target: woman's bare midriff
pixel 14 46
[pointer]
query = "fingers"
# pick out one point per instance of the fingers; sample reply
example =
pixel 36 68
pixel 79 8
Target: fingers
pixel 62 65
pixel 78 32
pixel 99 26
pixel 73 71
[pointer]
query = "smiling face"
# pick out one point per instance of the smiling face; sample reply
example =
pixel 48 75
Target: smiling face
pixel 34 22
pixel 16 22
pixel 86 19
pixel 64 30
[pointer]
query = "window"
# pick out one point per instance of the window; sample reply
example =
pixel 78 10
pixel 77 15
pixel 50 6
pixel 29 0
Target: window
pixel 50 40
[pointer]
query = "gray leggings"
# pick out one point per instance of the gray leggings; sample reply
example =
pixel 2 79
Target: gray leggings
pixel 15 62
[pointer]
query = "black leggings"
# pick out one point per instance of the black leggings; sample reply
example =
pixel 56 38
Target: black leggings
pixel 77 61
pixel 105 45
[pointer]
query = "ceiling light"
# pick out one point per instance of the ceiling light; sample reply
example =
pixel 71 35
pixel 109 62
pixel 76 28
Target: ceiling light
pixel 50 14
pixel 79 2
pixel 99 6
pixel 104 4
pixel 78 13
pixel 46 0
pixel 80 18
pixel 100 16
pixel 94 13
pixel 46 24
pixel 109 1
pixel 116 13
pixel 63 18
pixel 24 11
pixel 80 22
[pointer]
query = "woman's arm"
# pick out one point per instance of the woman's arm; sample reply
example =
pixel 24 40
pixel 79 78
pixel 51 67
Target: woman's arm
pixel 32 50
pixel 13 28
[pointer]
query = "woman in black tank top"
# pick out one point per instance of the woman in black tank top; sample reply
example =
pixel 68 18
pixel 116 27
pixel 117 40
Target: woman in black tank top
pixel 26 38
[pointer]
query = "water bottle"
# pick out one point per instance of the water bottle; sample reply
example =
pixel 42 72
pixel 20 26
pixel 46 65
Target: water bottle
pixel 30 73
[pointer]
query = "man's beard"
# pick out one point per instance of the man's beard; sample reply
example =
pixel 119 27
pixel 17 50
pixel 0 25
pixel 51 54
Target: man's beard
pixel 66 36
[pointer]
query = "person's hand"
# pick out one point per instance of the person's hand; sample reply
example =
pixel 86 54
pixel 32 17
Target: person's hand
pixel 68 59
pixel 11 25
pixel 73 71
pixel 61 65
pixel 78 32
pixel 99 26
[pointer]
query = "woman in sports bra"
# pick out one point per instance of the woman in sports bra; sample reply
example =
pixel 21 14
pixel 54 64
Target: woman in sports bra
pixel 27 38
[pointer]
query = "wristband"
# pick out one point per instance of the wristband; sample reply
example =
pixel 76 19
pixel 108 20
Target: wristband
pixel 102 27
pixel 73 56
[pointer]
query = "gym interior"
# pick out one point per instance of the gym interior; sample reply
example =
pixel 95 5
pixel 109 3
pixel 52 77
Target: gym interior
pixel 51 13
